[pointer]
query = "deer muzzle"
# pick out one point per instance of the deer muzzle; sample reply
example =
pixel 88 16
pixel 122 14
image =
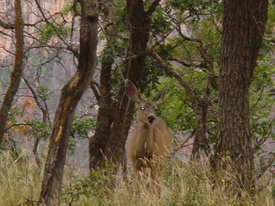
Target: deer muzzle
pixel 151 118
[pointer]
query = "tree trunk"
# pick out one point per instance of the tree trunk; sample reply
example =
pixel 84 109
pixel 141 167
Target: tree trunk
pixel 17 69
pixel 243 28
pixel 106 112
pixel 115 138
pixel 105 118
pixel 71 93
pixel 200 141
pixel 139 24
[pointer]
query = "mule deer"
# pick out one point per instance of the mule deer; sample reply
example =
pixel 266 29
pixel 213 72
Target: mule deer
pixel 150 140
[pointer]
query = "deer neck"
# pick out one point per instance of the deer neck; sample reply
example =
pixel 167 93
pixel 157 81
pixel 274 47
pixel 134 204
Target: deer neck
pixel 145 131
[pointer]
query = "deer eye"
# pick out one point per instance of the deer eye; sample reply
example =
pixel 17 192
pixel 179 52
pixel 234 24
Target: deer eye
pixel 156 109
pixel 142 108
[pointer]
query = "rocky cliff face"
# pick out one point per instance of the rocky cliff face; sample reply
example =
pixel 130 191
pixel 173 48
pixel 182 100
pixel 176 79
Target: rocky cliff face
pixel 31 15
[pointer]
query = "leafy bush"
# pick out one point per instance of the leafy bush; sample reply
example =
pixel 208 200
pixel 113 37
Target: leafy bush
pixel 98 184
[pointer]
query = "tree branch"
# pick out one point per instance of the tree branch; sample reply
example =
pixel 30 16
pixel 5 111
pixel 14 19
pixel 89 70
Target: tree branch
pixel 200 135
pixel 6 26
pixel 264 168
pixel 153 7
pixel 182 144
pixel 44 110
pixel 56 31
pixel 17 69
pixel 95 87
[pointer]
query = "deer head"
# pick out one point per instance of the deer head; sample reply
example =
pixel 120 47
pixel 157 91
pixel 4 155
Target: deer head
pixel 146 109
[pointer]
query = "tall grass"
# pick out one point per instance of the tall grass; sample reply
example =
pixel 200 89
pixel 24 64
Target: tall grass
pixel 181 184
pixel 19 180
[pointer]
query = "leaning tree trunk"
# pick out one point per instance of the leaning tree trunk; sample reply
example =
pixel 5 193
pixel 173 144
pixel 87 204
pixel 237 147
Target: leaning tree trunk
pixel 17 69
pixel 139 24
pixel 71 93
pixel 243 28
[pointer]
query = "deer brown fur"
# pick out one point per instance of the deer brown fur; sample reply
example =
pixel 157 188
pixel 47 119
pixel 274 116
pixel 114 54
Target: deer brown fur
pixel 150 141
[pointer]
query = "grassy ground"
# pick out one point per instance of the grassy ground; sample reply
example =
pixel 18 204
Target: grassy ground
pixel 181 184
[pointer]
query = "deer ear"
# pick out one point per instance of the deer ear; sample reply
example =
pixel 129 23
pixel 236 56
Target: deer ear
pixel 159 97
pixel 132 91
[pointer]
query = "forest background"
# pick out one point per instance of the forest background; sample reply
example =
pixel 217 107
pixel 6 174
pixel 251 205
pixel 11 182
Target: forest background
pixel 56 99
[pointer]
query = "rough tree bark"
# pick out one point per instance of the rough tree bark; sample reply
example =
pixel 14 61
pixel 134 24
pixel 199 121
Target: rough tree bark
pixel 51 189
pixel 17 69
pixel 106 112
pixel 243 28
pixel 139 23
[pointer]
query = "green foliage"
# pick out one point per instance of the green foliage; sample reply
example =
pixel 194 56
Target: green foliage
pixel 261 97
pixel 37 129
pixel 48 31
pixel 43 93
pixel 121 16
pixel 177 114
pixel 14 113
pixel 203 18
pixel 81 127
pixel 195 9
pixel 176 109
pixel 98 185
pixel 151 77
pixel 161 25
pixel 271 20
pixel 69 7
pixel 262 103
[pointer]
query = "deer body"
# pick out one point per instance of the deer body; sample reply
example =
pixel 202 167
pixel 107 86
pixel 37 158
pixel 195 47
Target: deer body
pixel 150 141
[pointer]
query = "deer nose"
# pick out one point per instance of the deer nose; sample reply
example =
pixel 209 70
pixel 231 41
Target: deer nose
pixel 151 118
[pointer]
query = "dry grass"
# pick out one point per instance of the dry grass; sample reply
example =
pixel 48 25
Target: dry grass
pixel 181 184
pixel 19 182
